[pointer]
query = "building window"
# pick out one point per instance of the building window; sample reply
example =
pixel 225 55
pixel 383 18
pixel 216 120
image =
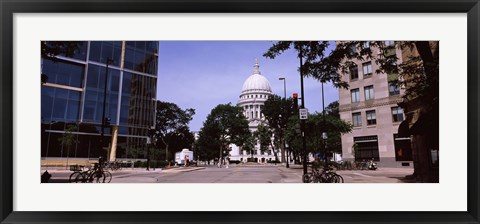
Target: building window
pixel 354 72
pixel 64 73
pixel 366 148
pixel 367 69
pixel 397 114
pixel 59 104
pixel 353 48
pixel 355 95
pixel 137 106
pixel 357 119
pixel 141 56
pixel 369 93
pixel 371 117
pixel 366 45
pixel 403 151
pixel 389 43
pixel 77 49
pixel 93 105
pixel 393 89
pixel 101 50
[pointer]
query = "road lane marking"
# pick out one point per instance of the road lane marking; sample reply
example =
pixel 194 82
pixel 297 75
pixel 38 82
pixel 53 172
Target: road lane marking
pixel 361 174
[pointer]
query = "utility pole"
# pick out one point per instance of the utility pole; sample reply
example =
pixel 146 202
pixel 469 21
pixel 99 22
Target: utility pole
pixel 302 122
pixel 109 60
pixel 324 134
pixel 285 98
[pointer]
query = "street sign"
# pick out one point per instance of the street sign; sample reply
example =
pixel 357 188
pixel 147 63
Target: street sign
pixel 303 114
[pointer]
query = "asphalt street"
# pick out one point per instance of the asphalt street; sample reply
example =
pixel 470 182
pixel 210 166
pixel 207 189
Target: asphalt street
pixel 238 174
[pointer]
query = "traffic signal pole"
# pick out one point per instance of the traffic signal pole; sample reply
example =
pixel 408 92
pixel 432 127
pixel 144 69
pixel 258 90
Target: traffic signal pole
pixel 109 60
pixel 302 122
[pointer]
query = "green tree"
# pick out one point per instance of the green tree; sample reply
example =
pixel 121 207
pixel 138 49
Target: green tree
pixel 264 136
pixel 293 137
pixel 316 63
pixel 333 109
pixel 277 112
pixel 207 145
pixel 314 127
pixel 180 139
pixel 68 139
pixel 225 125
pixel 171 127
pixel 333 126
pixel 418 74
pixel 249 144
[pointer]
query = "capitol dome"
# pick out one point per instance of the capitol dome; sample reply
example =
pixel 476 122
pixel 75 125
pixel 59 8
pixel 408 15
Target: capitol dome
pixel 256 82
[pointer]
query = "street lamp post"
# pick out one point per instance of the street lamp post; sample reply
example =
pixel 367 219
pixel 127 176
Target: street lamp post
pixel 324 134
pixel 109 60
pixel 285 97
pixel 302 121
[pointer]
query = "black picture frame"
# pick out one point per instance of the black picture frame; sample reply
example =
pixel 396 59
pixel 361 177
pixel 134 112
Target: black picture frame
pixel 10 7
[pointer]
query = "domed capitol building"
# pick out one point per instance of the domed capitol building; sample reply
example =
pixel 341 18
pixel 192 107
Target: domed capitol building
pixel 255 91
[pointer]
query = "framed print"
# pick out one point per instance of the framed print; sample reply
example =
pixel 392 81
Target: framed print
pixel 108 70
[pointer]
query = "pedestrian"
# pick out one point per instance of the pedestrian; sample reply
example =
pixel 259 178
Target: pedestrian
pixel 100 165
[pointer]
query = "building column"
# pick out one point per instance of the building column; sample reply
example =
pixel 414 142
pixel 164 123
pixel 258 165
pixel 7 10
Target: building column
pixel 113 150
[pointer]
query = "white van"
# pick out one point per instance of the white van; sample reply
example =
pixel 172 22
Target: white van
pixel 182 155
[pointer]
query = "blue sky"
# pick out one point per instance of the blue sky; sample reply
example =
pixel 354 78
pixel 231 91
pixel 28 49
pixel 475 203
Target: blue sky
pixel 203 74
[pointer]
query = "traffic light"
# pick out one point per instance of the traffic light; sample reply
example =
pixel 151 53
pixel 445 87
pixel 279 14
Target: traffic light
pixel 106 121
pixel 295 101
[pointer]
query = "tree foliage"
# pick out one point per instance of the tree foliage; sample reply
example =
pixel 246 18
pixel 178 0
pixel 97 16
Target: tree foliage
pixel 264 136
pixel 225 125
pixel 171 128
pixel 69 139
pixel 277 111
pixel 50 49
pixel 418 74
pixel 316 63
pixel 333 109
pixel 249 145
pixel 315 125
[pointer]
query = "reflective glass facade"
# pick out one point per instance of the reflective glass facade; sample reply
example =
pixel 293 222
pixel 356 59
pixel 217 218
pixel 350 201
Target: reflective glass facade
pixel 74 94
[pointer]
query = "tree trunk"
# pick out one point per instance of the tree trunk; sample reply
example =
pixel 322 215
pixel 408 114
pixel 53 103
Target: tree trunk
pixel 282 150
pixel 274 152
pixel 423 141
pixel 221 156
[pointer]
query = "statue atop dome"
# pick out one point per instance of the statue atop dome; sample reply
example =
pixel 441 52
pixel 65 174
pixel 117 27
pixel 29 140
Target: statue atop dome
pixel 256 68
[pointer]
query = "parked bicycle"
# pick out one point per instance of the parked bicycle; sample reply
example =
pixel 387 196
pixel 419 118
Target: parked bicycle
pixel 92 175
pixel 327 175
pixel 114 166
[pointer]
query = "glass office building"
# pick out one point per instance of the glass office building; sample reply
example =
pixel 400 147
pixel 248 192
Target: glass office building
pixel 72 99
